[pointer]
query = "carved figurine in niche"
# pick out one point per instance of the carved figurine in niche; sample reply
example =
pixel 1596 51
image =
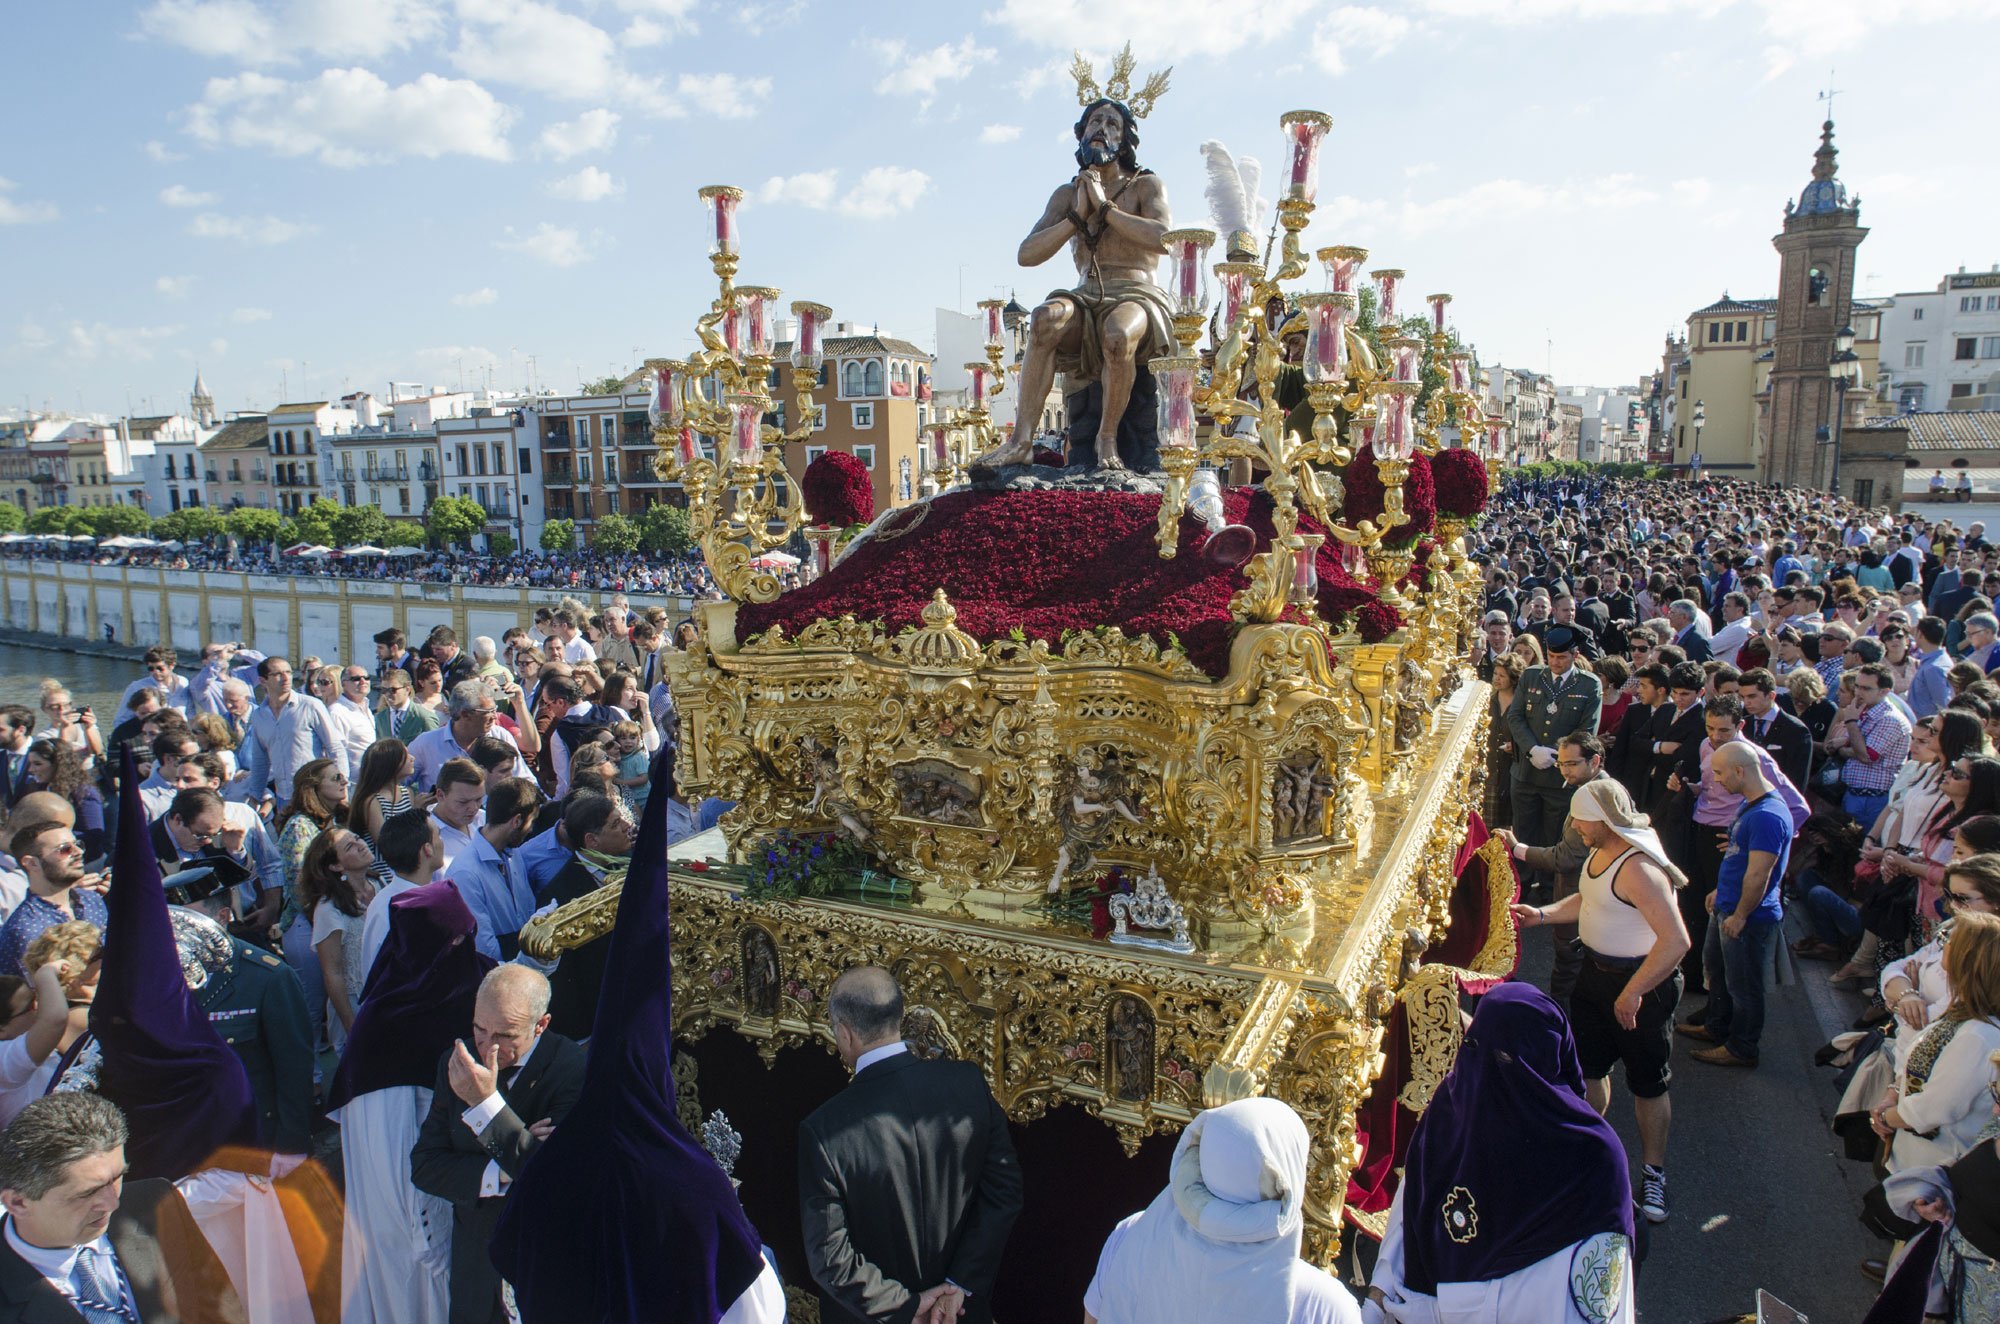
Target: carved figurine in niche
pixel 1091 806
pixel 1131 1035
pixel 1413 705
pixel 759 955
pixel 1300 787
pixel 937 792
pixel 829 798
pixel 924 1033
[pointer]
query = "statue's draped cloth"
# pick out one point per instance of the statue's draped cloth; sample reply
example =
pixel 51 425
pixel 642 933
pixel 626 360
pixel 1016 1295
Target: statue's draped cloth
pixel 1093 303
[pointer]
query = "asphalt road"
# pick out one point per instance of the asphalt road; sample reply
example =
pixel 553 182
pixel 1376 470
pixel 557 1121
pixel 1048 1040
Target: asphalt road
pixel 1759 1192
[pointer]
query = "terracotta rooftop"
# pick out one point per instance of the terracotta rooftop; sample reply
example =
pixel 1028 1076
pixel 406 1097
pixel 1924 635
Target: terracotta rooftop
pixel 241 434
pixel 1949 430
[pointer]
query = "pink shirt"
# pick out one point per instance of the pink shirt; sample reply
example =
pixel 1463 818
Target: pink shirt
pixel 1715 807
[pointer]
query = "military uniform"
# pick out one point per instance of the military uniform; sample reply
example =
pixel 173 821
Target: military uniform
pixel 256 1005
pixel 1546 708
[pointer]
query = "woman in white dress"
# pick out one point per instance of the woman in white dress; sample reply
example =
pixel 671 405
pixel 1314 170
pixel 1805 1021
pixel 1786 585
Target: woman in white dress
pixel 395 1261
pixel 1521 1198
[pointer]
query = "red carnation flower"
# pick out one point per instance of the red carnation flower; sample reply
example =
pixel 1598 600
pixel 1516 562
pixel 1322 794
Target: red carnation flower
pixel 1363 485
pixel 838 491
pixel 1461 483
pixel 1050 456
pixel 1376 621
pixel 1419 503
pixel 1366 498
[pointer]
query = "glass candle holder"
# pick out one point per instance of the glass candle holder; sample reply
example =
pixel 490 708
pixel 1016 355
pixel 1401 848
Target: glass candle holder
pixel 721 202
pixel 1187 283
pixel 1174 378
pixel 732 328
pixel 746 428
pixel 996 331
pixel 756 301
pixel 1305 577
pixel 664 407
pixel 940 456
pixel 980 385
pixel 1366 423
pixel 1387 281
pixel 1438 303
pixel 1342 263
pixel 1326 336
pixel 1461 373
pixel 809 348
pixel 1353 560
pixel 1233 280
pixel 1304 130
pixel 1392 436
pixel 1496 436
pixel 688 448
pixel 1406 358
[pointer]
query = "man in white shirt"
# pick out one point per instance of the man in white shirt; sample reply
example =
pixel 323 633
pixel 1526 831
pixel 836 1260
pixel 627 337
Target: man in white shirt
pixel 1736 630
pixel 492 875
pixel 474 713
pixel 408 844
pixel 160 675
pixel 288 731
pixel 460 788
pixel 352 721
pixel 575 648
pixel 158 790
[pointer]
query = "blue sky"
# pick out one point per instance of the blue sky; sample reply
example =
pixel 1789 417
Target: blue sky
pixel 330 194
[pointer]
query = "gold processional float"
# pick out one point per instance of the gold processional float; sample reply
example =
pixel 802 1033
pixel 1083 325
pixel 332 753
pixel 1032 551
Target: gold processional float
pixel 1284 835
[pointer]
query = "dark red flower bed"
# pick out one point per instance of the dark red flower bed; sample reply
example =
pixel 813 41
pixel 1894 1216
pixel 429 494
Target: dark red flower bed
pixel 1050 456
pixel 1365 499
pixel 1045 563
pixel 838 491
pixel 1461 483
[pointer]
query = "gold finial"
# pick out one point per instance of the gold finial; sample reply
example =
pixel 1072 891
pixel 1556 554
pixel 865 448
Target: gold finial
pixel 1119 87
pixel 938 612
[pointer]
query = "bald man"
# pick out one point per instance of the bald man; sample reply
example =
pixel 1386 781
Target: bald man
pixel 908 1184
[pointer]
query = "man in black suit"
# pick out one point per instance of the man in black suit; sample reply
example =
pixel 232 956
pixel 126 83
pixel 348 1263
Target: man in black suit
pixel 1675 735
pixel 1776 730
pixel 596 827
pixel 62 1171
pixel 908 1184
pixel 1630 756
pixel 477 1139
pixel 17 729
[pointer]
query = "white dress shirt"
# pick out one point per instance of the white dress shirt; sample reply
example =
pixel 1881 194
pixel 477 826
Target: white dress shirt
pixel 355 726
pixel 578 650
pixel 494 1180
pixel 874 1055
pixel 56 1265
pixel 455 843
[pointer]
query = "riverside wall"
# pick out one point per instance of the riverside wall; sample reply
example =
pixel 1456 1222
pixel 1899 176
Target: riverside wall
pixel 290 615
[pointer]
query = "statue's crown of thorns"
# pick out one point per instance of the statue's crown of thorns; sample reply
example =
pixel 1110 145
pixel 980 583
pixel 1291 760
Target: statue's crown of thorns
pixel 1118 87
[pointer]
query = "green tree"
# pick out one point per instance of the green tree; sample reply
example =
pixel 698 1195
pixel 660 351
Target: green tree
pixel 12 518
pixel 558 535
pixel 605 386
pixel 453 520
pixel 190 524
pixel 616 535
pixel 56 519
pixel 500 544
pixel 316 522
pixel 117 521
pixel 251 525
pixel 360 524
pixel 404 533
pixel 664 529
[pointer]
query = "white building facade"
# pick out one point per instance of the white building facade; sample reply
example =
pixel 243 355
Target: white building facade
pixel 1941 348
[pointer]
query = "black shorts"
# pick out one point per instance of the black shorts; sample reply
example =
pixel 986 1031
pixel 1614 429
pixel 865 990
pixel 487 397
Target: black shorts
pixel 1602 1043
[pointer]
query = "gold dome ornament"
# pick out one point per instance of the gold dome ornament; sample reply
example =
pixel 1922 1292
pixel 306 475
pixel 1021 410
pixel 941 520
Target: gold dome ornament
pixel 941 645
pixel 1119 87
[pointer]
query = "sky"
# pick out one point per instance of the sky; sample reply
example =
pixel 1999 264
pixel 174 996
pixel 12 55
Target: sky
pixel 306 197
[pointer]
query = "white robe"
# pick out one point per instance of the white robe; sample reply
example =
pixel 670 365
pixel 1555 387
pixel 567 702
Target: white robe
pixel 245 1225
pixel 395 1245
pixel 1540 1292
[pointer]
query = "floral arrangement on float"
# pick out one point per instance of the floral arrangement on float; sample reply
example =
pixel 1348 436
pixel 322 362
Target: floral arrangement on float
pixel 839 496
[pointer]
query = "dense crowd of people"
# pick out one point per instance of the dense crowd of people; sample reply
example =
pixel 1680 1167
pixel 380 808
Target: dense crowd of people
pixel 1716 707
pixel 1715 703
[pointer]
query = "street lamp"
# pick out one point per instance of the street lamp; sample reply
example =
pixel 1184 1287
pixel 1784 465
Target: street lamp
pixel 1700 420
pixel 1845 370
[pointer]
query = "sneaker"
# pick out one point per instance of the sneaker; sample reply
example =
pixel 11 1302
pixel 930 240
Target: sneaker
pixel 1653 1194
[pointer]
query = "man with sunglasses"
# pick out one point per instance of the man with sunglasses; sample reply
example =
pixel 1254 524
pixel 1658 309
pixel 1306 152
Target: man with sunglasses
pixel 399 718
pixel 160 675
pixel 49 855
pixel 347 704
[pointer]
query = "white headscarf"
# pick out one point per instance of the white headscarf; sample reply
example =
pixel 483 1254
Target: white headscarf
pixel 1605 801
pixel 1222 1240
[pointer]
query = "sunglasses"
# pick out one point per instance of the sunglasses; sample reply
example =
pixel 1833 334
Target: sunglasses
pixel 1958 774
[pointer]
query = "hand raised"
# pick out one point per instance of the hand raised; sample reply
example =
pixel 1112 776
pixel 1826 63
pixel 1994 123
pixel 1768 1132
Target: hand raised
pixel 472 1080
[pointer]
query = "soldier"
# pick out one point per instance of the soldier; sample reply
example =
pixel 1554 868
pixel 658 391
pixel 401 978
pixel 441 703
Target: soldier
pixel 1550 703
pixel 255 1003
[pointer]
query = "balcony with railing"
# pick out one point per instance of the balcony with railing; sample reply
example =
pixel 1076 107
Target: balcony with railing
pixel 500 512
pixel 427 471
pixel 386 473
pixel 212 478
pixel 555 434
pixel 557 474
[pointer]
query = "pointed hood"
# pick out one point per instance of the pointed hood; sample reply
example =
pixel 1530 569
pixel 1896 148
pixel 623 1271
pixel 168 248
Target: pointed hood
pixel 621 1215
pixel 183 1090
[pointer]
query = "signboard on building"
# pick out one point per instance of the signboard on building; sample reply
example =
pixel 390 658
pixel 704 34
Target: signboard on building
pixel 1988 280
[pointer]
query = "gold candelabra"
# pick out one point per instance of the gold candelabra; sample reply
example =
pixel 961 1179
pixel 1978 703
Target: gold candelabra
pixel 971 430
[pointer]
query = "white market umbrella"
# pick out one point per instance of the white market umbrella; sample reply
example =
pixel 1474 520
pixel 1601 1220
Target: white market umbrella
pixel 361 549
pixel 775 560
pixel 404 551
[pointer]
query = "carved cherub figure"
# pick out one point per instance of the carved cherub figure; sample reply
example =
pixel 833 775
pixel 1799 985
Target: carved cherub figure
pixel 1097 799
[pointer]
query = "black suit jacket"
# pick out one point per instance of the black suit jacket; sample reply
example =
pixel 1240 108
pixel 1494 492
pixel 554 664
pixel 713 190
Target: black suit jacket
pixel 906 1178
pixel 1630 757
pixel 1689 730
pixel 153 1235
pixel 449 1161
pixel 580 974
pixel 1789 742
pixel 1695 644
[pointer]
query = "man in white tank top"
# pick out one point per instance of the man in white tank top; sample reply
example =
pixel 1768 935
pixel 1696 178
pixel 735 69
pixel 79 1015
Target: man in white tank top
pixel 1633 939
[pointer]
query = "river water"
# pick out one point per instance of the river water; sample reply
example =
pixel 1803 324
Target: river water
pixel 96 682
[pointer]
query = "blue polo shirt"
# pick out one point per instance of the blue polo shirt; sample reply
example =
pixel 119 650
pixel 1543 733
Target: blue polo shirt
pixel 1763 824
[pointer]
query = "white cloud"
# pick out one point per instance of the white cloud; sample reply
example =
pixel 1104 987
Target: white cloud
pixel 592 131
pixel 1815 29
pixel 587 185
pixel 217 348
pixel 179 195
pixel 548 50
pixel 249 229
pixel 32 335
pixel 1000 133
pixel 884 191
pixel 757 19
pixel 23 213
pixel 724 96
pixel 125 343
pixel 278 33
pixel 918 73
pixel 553 244
pixel 174 287
pixel 1692 192
pixel 815 189
pixel 246 316
pixel 1171 29
pixel 350 117
pixel 161 153
pixel 641 32
pixel 1356 29
pixel 478 298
